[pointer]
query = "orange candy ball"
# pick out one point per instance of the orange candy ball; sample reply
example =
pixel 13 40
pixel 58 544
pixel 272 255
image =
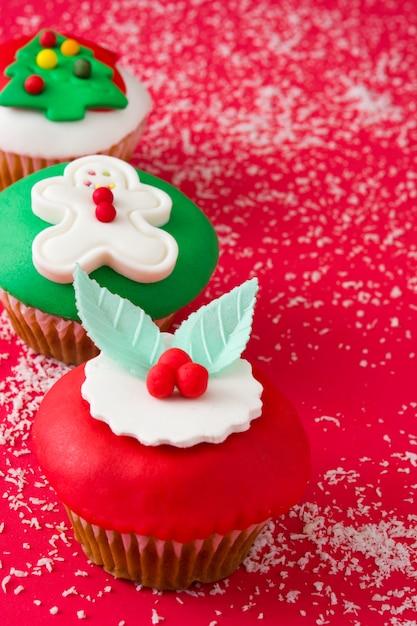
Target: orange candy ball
pixel 70 47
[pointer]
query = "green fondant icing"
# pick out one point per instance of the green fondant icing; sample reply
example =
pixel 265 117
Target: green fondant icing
pixel 124 332
pixel 217 333
pixel 197 258
pixel 66 96
pixel 214 336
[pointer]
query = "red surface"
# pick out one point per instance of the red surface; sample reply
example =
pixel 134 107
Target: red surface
pixel 293 125
pixel 164 491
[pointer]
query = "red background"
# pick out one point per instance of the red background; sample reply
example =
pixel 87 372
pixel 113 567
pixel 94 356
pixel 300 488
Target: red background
pixel 293 126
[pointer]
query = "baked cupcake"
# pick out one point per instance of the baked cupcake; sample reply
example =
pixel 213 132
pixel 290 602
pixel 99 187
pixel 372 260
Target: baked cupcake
pixel 62 98
pixel 179 453
pixel 139 236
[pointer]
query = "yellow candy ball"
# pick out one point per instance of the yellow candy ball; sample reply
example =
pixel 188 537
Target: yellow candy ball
pixel 46 59
pixel 70 47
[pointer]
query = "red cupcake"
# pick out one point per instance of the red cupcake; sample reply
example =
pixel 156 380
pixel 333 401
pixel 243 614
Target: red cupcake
pixel 174 490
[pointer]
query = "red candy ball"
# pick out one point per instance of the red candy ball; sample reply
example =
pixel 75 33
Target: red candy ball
pixel 160 380
pixel 105 212
pixel 175 368
pixel 34 84
pixel 48 39
pixel 102 194
pixel 192 379
pixel 175 357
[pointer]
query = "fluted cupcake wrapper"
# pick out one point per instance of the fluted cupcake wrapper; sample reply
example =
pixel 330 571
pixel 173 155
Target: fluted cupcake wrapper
pixel 53 336
pixel 164 564
pixel 15 166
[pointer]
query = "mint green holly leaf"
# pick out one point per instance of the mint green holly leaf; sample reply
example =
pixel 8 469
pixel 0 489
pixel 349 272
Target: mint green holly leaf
pixel 123 331
pixel 217 333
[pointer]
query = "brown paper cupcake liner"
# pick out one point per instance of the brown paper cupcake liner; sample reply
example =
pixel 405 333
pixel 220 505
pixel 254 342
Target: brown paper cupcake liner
pixel 53 336
pixel 15 166
pixel 160 564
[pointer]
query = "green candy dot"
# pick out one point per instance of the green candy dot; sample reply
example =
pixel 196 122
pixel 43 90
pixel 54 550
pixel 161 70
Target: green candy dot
pixel 82 68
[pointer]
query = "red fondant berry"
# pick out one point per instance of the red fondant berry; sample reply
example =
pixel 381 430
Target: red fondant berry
pixel 102 194
pixel 191 379
pixel 160 380
pixel 175 357
pixel 48 39
pixel 105 212
pixel 34 84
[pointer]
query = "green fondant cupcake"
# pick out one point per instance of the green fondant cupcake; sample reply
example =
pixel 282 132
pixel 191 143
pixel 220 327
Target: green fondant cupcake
pixel 136 234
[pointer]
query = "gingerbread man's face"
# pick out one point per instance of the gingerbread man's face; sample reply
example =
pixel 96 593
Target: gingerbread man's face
pixel 127 239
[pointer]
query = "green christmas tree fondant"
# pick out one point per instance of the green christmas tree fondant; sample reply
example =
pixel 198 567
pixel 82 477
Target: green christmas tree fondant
pixel 66 91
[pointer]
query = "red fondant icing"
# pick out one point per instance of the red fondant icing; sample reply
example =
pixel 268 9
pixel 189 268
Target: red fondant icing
pixel 34 84
pixel 48 39
pixel 160 380
pixel 168 492
pixel 102 194
pixel 191 379
pixel 175 357
pixel 105 212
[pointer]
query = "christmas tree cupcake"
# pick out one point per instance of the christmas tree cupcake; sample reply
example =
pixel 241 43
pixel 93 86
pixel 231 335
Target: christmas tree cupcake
pixel 138 236
pixel 62 97
pixel 180 451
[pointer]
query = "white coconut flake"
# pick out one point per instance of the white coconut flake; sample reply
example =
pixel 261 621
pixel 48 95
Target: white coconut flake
pixel 69 592
pixel 155 618
pixel 5 582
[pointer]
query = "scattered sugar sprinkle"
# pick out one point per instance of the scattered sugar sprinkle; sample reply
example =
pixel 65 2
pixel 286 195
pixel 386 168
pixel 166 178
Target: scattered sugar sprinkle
pixel 80 572
pixel 328 418
pixel 155 618
pixel 70 591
